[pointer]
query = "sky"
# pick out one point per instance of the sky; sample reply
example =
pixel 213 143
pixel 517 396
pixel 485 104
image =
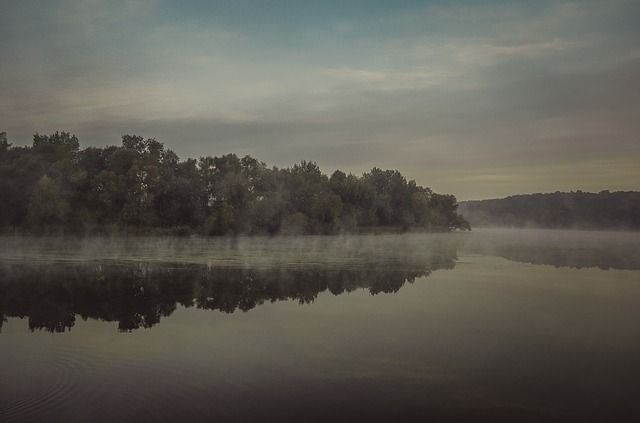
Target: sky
pixel 480 99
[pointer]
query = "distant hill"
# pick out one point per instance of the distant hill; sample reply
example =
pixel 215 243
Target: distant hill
pixel 584 210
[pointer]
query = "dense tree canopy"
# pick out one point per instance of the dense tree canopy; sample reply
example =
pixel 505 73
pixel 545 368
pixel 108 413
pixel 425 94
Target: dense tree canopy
pixel 53 185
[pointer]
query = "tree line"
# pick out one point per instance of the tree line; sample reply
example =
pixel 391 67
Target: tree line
pixel 584 210
pixel 141 186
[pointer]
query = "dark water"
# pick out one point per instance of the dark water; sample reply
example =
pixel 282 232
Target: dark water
pixel 497 325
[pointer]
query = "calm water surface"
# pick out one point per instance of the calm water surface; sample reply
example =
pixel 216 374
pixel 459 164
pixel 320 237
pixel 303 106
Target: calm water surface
pixel 496 325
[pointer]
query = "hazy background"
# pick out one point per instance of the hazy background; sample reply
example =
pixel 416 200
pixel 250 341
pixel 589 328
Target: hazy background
pixel 479 99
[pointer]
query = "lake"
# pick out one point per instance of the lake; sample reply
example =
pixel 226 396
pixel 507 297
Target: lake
pixel 492 325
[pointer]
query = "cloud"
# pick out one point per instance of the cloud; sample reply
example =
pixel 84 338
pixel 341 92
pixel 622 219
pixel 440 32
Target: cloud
pixel 454 96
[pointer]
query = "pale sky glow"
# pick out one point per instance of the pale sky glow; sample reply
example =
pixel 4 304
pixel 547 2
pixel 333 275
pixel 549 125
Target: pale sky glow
pixel 479 99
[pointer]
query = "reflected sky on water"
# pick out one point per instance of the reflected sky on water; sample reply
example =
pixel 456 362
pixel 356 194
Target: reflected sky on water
pixel 494 325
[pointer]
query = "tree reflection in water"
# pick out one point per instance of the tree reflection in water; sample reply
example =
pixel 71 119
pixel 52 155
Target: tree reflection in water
pixel 137 295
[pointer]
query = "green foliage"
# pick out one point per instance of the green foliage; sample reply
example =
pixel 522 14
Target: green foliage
pixel 142 186
pixel 46 206
pixel 4 144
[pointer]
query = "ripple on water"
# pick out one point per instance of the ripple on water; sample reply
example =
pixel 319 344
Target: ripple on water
pixel 78 382
pixel 56 382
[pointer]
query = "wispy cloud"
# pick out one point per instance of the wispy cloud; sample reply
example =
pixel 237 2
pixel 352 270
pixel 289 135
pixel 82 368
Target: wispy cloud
pixel 429 88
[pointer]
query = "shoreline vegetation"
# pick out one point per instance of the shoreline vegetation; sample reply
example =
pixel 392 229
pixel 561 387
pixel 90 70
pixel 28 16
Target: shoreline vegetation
pixel 139 187
pixel 605 210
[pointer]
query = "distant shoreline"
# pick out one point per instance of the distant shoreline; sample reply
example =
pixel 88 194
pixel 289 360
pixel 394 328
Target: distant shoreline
pixel 187 232
pixel 604 210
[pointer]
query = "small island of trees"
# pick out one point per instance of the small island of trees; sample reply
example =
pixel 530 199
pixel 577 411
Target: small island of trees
pixel 53 186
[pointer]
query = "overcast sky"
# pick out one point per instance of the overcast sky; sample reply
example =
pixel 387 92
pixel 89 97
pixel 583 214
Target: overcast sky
pixel 479 99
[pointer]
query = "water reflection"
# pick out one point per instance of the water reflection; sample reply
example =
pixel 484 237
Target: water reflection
pixel 137 295
pixel 558 248
pixel 491 340
pixel 136 282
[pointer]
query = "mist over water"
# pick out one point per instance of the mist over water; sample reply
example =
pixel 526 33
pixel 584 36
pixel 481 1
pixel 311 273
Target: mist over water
pixel 319 211
pixel 285 251
pixel 522 325
pixel 560 248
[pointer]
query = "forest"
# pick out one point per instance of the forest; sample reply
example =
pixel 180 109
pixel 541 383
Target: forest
pixel 54 187
pixel 577 209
